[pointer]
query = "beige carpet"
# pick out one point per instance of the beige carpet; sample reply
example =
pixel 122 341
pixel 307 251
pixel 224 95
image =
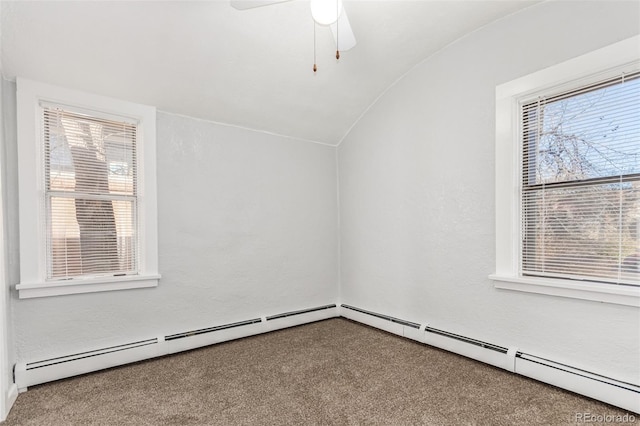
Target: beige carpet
pixel 334 372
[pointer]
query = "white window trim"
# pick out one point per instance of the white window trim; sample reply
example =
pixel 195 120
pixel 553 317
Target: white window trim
pixel 623 56
pixel 33 281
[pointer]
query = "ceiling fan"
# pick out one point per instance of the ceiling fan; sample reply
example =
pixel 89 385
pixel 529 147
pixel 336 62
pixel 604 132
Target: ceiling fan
pixel 329 13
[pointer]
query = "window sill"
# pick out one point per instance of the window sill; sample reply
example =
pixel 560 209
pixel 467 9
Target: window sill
pixel 89 285
pixel 604 293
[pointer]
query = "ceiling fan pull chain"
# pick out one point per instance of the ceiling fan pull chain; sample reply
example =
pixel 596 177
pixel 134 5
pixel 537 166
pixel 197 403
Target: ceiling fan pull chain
pixel 337 29
pixel 315 67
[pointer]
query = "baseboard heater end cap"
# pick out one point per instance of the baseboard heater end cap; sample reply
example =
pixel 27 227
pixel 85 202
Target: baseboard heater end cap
pixel 19 372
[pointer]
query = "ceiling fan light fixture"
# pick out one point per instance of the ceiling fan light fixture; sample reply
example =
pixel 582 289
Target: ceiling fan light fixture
pixel 326 12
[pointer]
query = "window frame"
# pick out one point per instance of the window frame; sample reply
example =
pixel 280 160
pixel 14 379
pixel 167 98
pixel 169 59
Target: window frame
pixel 620 57
pixel 32 214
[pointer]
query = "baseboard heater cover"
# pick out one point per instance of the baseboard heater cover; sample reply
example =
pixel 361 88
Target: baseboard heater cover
pixel 382 316
pixel 612 391
pixel 55 368
pixel 88 354
pixel 465 346
pixel 428 329
pixel 193 339
pixel 47 370
pixel 468 340
pixel 622 394
pixel 615 392
pixel 303 316
pixel 300 312
pixel 212 329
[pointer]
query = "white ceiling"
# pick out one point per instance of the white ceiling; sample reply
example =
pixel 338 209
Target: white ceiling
pixel 249 68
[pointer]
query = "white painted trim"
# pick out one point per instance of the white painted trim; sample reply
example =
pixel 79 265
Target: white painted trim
pixel 623 56
pixel 339 228
pixel 90 285
pixel 597 292
pixel 12 395
pixel 30 95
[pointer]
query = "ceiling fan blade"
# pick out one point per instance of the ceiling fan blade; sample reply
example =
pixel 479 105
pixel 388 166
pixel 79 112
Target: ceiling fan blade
pixel 342 31
pixel 250 4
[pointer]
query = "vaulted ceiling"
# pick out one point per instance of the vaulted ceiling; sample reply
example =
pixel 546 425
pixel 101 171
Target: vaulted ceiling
pixel 250 68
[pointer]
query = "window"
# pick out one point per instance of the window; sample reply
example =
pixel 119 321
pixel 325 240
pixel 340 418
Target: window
pixel 581 183
pixel 87 192
pixel 90 194
pixel 568 178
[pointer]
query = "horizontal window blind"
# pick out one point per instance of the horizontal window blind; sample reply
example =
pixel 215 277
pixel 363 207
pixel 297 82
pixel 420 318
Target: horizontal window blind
pixel 581 183
pixel 90 194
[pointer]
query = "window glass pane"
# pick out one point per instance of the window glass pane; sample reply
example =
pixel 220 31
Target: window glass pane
pixel 91 236
pixel 89 155
pixel 90 172
pixel 590 135
pixel 590 231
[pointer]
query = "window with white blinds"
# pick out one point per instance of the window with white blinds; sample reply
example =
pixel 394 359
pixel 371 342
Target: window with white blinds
pixel 90 172
pixel 87 193
pixel 580 190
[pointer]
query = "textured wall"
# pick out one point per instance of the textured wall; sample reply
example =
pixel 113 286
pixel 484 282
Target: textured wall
pixel 5 367
pixel 417 195
pixel 247 227
pixel 9 217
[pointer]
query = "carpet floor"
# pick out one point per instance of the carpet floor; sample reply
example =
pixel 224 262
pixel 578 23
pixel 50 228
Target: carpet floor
pixel 332 372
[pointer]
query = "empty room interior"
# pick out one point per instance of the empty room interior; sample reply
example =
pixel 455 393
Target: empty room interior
pixel 320 212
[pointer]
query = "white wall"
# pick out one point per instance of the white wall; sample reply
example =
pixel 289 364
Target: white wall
pixel 8 251
pixel 417 195
pixel 5 368
pixel 247 227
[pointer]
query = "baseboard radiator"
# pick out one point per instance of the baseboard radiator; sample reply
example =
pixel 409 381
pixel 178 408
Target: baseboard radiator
pixel 615 392
pixel 60 367
pixel 609 390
